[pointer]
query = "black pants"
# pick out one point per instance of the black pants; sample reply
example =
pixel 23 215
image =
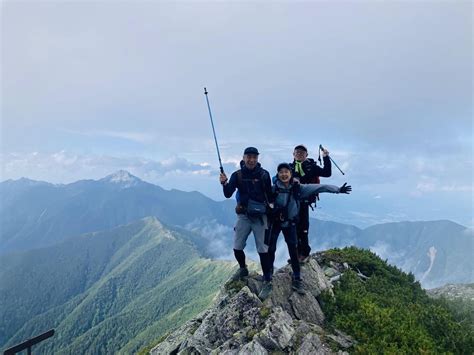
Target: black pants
pixel 302 229
pixel 291 240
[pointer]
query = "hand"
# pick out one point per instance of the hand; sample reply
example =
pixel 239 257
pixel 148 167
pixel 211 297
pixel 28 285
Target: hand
pixel 345 189
pixel 325 152
pixel 223 179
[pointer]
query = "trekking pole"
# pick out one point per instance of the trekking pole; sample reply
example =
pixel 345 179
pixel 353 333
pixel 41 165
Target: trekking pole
pixel 321 148
pixel 214 132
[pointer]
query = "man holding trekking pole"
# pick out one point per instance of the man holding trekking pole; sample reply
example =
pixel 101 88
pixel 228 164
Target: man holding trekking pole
pixel 306 171
pixel 254 187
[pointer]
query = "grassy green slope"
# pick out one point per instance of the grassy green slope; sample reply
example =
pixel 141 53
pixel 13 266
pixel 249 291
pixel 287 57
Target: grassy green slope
pixel 390 312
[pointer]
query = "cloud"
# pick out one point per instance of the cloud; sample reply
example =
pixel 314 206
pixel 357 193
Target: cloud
pixel 217 236
pixel 138 137
pixel 369 83
pixel 384 251
pixel 435 184
pixel 470 231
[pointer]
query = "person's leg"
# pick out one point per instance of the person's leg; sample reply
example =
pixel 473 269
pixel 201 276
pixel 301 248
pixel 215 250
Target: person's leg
pixel 241 232
pixel 291 241
pixel 274 232
pixel 259 229
pixel 240 257
pixel 302 230
pixel 260 232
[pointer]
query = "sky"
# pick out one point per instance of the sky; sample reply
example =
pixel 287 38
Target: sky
pixel 91 87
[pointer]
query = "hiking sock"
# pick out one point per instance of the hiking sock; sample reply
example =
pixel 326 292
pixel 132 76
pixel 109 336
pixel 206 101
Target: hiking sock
pixel 240 257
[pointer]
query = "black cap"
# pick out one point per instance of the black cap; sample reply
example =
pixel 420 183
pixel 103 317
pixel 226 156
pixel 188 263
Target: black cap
pixel 302 147
pixel 283 166
pixel 251 150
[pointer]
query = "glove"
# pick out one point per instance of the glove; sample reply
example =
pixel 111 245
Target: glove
pixel 345 189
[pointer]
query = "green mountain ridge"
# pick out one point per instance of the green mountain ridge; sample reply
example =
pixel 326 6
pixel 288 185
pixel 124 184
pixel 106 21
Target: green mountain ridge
pixel 108 290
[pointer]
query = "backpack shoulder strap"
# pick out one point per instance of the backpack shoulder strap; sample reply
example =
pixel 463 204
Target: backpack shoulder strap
pixel 262 184
pixel 296 191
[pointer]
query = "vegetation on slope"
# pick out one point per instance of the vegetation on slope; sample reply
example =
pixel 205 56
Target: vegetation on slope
pixel 389 312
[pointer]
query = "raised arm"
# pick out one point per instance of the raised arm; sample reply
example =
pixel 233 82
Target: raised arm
pixel 325 171
pixel 230 186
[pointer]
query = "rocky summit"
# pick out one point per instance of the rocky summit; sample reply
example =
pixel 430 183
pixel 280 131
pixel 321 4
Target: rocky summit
pixel 240 323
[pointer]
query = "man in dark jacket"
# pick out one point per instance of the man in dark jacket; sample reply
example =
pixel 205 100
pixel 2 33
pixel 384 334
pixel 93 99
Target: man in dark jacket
pixel 307 171
pixel 254 188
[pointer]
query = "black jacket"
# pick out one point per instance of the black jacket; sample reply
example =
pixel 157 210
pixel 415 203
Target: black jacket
pixel 255 184
pixel 311 169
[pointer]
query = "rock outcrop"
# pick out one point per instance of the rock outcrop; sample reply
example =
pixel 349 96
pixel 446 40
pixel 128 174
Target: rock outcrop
pixel 240 323
pixel 453 292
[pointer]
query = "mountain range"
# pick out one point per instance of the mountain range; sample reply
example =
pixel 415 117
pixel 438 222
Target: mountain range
pixel 115 263
pixel 36 214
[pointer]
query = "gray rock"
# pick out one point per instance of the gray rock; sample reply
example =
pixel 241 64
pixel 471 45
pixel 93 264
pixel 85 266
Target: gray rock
pixel 239 323
pixel 344 340
pixel 307 308
pixel 255 284
pixel 281 291
pixel 330 272
pixel 233 345
pixel 253 348
pixel 173 342
pixel 278 330
pixel 303 327
pixel 192 351
pixel 314 278
pixel 311 344
pixel 220 325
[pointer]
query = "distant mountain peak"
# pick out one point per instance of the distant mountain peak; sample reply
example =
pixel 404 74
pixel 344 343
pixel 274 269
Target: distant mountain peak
pixel 26 182
pixel 123 178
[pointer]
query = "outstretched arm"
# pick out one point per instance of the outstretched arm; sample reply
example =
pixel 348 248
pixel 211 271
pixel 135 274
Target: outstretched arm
pixel 311 189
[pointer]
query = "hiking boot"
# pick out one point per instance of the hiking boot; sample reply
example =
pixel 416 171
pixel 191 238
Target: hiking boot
pixel 241 274
pixel 297 285
pixel 266 290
